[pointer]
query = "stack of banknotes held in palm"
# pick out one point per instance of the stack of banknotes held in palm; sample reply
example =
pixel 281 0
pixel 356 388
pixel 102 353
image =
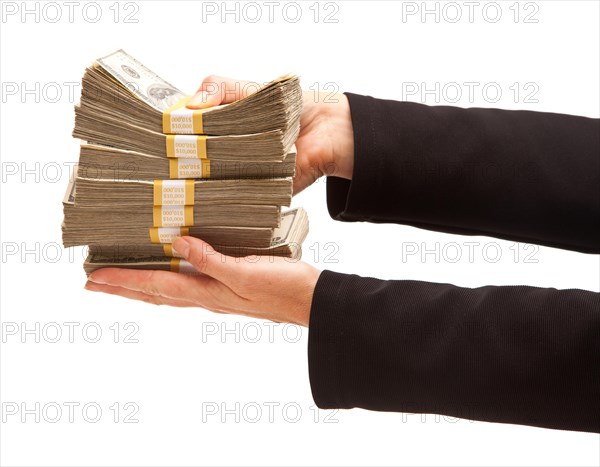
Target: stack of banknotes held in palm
pixel 150 169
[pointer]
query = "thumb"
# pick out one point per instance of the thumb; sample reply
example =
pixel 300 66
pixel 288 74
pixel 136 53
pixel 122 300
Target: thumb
pixel 217 90
pixel 205 258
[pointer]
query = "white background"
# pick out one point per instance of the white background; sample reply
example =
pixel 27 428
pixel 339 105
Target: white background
pixel 178 372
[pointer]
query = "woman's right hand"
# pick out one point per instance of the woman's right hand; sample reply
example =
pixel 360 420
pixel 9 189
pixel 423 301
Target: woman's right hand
pixel 325 145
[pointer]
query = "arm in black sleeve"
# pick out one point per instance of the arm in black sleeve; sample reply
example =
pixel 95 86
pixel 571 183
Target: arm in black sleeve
pixel 502 354
pixel 518 175
pixel 520 355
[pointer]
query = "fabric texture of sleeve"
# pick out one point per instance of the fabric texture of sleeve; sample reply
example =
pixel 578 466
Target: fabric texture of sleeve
pixel 518 175
pixel 519 354
pixel 513 354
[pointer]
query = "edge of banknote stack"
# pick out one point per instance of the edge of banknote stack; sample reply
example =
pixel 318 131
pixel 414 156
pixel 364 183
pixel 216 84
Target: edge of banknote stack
pixel 150 170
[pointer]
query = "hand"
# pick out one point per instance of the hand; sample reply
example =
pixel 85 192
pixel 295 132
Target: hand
pixel 264 287
pixel 325 145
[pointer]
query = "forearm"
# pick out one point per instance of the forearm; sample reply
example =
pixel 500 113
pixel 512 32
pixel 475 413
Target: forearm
pixel 525 176
pixel 502 354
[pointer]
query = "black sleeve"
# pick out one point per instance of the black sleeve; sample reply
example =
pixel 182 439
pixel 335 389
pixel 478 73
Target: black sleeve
pixel 519 354
pixel 518 175
pixel 502 354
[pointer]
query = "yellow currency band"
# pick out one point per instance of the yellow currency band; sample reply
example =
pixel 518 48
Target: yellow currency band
pixel 175 172
pixel 175 147
pixel 155 234
pixel 182 195
pixel 175 264
pixel 168 249
pixel 187 219
pixel 197 128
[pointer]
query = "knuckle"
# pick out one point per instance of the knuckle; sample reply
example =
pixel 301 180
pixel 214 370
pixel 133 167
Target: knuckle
pixel 151 280
pixel 153 290
pixel 152 300
pixel 198 259
pixel 212 83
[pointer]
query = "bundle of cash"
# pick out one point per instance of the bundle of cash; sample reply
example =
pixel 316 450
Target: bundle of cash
pixel 103 162
pixel 123 208
pixel 285 240
pixel 151 170
pixel 127 105
pixel 93 126
pixel 108 193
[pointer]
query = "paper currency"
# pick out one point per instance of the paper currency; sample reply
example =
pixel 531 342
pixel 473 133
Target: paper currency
pixel 151 170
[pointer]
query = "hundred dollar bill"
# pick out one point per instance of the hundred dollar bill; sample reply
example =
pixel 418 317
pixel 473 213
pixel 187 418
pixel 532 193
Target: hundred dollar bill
pixel 120 88
pixel 140 80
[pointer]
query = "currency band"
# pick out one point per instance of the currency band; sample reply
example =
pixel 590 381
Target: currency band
pixel 167 234
pixel 180 120
pixel 183 266
pixel 173 192
pixel 186 146
pixel 170 251
pixel 173 216
pixel 189 168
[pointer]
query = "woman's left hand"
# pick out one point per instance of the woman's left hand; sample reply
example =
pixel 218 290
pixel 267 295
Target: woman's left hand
pixel 265 287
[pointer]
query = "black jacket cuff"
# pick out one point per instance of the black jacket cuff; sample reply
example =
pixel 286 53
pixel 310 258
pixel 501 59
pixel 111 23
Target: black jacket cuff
pixel 350 200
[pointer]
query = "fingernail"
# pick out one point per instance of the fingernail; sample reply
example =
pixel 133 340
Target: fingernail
pixel 200 99
pixel 182 246
pixel 93 279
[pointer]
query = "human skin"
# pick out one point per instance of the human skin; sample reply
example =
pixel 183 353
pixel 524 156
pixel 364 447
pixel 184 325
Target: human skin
pixel 264 287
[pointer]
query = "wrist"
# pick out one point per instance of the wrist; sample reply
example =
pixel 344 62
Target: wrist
pixel 336 110
pixel 305 297
pixel 327 117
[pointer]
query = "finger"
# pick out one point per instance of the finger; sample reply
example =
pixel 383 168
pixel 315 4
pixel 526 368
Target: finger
pixel 135 295
pixel 298 185
pixel 217 90
pixel 165 284
pixel 142 297
pixel 160 283
pixel 303 179
pixel 202 290
pixel 207 260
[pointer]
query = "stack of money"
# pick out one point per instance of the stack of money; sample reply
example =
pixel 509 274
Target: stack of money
pixel 127 106
pixel 285 240
pixel 108 162
pixel 150 169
